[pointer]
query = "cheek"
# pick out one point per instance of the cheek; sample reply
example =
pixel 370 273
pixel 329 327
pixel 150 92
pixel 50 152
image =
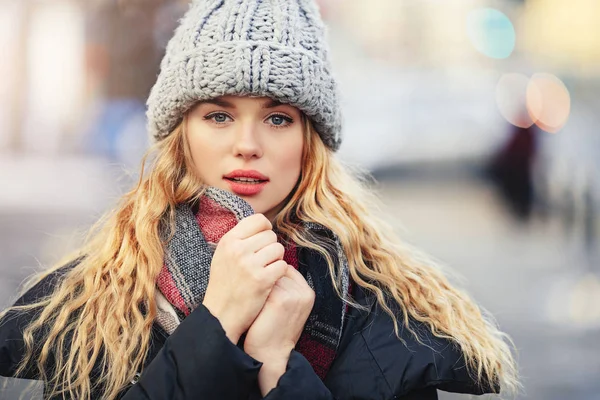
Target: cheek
pixel 203 151
pixel 290 161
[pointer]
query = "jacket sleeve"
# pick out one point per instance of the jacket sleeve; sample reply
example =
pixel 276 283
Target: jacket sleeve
pixel 300 382
pixel 11 345
pixel 12 326
pixel 428 362
pixel 375 363
pixel 198 361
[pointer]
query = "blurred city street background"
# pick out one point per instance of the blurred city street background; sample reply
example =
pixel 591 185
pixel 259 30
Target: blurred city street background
pixel 478 118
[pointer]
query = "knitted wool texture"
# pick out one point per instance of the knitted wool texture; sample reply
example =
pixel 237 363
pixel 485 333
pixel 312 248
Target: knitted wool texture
pixel 273 48
pixel 188 256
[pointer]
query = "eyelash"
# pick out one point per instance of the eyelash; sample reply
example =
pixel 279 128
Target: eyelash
pixel 289 120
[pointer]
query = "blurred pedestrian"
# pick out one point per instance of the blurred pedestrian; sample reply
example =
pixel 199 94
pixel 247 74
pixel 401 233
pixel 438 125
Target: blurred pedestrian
pixel 511 169
pixel 248 262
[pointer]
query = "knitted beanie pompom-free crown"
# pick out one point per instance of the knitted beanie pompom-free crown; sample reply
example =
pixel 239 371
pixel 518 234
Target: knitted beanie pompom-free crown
pixel 270 48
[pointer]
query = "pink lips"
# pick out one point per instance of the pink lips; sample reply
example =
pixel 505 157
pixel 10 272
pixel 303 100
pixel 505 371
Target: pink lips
pixel 243 187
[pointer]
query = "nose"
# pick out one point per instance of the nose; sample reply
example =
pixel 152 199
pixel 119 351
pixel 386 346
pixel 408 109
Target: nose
pixel 247 142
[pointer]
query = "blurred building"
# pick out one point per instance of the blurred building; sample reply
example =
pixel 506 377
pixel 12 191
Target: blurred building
pixel 81 71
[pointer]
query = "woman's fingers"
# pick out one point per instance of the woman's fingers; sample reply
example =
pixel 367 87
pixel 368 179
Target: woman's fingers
pixel 275 271
pixel 259 241
pixel 269 254
pixel 297 277
pixel 250 226
pixel 301 284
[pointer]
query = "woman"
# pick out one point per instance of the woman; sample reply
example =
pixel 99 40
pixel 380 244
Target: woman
pixel 309 296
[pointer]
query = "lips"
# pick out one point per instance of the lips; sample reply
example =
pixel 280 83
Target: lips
pixel 246 174
pixel 246 182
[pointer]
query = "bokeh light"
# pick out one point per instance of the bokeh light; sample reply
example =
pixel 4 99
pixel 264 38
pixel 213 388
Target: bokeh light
pixel 491 32
pixel 542 99
pixel 511 98
pixel 548 102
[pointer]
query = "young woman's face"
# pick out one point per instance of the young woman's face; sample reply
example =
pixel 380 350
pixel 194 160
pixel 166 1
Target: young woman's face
pixel 250 146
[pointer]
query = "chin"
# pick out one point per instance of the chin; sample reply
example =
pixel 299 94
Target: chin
pixel 258 206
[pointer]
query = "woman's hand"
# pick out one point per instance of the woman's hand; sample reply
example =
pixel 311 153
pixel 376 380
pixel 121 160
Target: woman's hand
pixel 276 330
pixel 246 264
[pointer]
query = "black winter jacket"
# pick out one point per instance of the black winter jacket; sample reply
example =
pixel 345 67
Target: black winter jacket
pixel 198 361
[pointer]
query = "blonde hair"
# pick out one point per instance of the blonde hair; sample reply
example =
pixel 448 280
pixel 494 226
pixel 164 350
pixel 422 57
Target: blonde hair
pixel 103 308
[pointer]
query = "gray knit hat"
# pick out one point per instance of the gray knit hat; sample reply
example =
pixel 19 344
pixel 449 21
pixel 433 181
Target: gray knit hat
pixel 272 48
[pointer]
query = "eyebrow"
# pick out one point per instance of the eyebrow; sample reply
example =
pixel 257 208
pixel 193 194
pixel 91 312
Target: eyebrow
pixel 223 103
pixel 271 104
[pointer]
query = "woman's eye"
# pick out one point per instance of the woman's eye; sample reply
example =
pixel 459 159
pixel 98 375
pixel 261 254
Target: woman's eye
pixel 280 120
pixel 219 118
